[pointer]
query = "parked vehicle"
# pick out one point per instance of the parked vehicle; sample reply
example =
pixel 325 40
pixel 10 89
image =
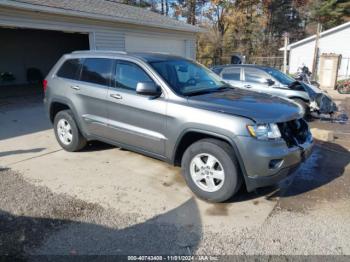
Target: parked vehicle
pixel 176 110
pixel 272 81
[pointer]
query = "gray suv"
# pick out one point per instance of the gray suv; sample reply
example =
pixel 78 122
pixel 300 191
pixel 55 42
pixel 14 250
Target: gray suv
pixel 176 110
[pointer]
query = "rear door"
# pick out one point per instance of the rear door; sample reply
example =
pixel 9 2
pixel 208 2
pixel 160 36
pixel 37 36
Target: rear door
pixel 90 93
pixel 135 120
pixel 232 75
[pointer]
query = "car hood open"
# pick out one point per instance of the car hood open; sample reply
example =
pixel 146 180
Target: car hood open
pixel 261 108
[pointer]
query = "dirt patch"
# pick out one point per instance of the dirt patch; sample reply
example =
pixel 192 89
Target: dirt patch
pixel 217 210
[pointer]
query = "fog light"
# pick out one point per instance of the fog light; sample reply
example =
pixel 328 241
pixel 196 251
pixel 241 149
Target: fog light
pixel 275 163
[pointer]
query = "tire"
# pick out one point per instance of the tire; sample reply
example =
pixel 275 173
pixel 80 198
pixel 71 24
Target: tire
pixel 304 106
pixel 74 141
pixel 227 163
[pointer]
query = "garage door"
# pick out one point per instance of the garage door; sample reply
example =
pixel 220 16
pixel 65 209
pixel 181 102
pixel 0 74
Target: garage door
pixel 155 44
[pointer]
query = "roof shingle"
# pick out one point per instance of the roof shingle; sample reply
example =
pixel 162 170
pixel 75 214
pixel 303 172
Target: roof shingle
pixel 111 10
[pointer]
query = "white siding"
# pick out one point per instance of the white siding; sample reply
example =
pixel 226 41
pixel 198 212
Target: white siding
pixel 109 40
pixel 135 43
pixel 336 42
pixel 301 55
pixel 103 35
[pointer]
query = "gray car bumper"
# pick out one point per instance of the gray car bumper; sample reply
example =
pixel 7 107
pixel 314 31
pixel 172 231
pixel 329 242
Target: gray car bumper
pixel 257 157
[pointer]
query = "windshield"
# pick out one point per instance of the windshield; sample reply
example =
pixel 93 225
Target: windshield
pixel 279 76
pixel 188 78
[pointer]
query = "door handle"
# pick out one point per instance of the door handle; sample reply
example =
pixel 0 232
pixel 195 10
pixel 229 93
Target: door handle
pixel 116 96
pixel 248 86
pixel 75 87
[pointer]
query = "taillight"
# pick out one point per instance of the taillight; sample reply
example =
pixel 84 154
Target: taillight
pixel 45 85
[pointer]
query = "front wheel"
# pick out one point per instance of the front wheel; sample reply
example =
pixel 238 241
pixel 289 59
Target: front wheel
pixel 211 170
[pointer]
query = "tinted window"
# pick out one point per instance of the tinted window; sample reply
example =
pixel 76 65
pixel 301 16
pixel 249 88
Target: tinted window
pixel 70 69
pixel 186 77
pixel 129 74
pixel 233 73
pixel 255 76
pixel 97 71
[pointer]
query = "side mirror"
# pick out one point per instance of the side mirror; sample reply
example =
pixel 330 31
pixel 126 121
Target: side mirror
pixel 148 89
pixel 270 82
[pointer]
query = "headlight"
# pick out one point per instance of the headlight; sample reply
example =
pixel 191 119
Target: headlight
pixel 264 131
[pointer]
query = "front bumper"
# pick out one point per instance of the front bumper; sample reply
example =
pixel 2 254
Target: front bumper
pixel 257 157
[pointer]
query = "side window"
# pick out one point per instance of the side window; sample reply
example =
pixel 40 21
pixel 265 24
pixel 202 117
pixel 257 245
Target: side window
pixel 70 69
pixel 97 71
pixel 128 75
pixel 233 73
pixel 253 75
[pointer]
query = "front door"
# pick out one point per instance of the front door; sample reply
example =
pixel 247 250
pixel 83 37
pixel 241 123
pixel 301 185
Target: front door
pixel 256 80
pixel 135 120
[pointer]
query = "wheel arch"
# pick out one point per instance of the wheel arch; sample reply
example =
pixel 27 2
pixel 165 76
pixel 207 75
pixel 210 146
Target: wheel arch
pixel 59 104
pixel 190 136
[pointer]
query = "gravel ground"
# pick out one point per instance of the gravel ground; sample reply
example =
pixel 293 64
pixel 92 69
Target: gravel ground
pixel 33 220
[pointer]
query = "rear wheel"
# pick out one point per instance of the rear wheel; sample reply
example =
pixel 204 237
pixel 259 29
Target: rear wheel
pixel 211 170
pixel 67 132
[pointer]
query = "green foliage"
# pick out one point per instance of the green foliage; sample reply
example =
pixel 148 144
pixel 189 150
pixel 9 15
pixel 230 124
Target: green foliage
pixel 329 13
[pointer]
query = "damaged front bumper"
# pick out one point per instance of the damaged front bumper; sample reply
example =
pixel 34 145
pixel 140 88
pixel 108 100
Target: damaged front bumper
pixel 268 162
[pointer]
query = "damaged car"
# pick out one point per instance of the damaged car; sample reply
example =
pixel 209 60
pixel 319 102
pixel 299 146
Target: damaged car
pixel 269 80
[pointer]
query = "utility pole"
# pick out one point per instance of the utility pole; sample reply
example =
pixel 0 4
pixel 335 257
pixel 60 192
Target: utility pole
pixel 314 63
pixel 286 40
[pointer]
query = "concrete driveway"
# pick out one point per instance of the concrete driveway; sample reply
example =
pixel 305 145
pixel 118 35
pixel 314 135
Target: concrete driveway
pixel 140 198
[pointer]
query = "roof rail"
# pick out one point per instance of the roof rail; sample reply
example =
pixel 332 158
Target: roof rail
pixel 98 51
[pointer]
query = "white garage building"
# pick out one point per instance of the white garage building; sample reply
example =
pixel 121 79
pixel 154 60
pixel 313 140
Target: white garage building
pixel 35 33
pixel 335 40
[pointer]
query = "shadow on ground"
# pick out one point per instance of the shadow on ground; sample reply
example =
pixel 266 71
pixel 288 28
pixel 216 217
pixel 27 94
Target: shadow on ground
pixel 61 225
pixel 20 152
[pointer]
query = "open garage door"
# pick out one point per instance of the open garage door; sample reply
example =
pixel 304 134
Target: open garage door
pixel 27 55
pixel 135 43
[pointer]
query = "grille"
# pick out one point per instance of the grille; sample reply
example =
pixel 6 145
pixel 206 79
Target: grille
pixel 294 132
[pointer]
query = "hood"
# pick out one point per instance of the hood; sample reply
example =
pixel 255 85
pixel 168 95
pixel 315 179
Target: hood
pixel 259 107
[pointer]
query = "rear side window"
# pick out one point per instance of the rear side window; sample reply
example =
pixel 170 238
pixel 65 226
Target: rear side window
pixel 97 71
pixel 233 73
pixel 70 69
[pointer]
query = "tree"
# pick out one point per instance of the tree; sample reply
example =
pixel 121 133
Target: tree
pixel 329 13
pixel 188 9
pixel 217 20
